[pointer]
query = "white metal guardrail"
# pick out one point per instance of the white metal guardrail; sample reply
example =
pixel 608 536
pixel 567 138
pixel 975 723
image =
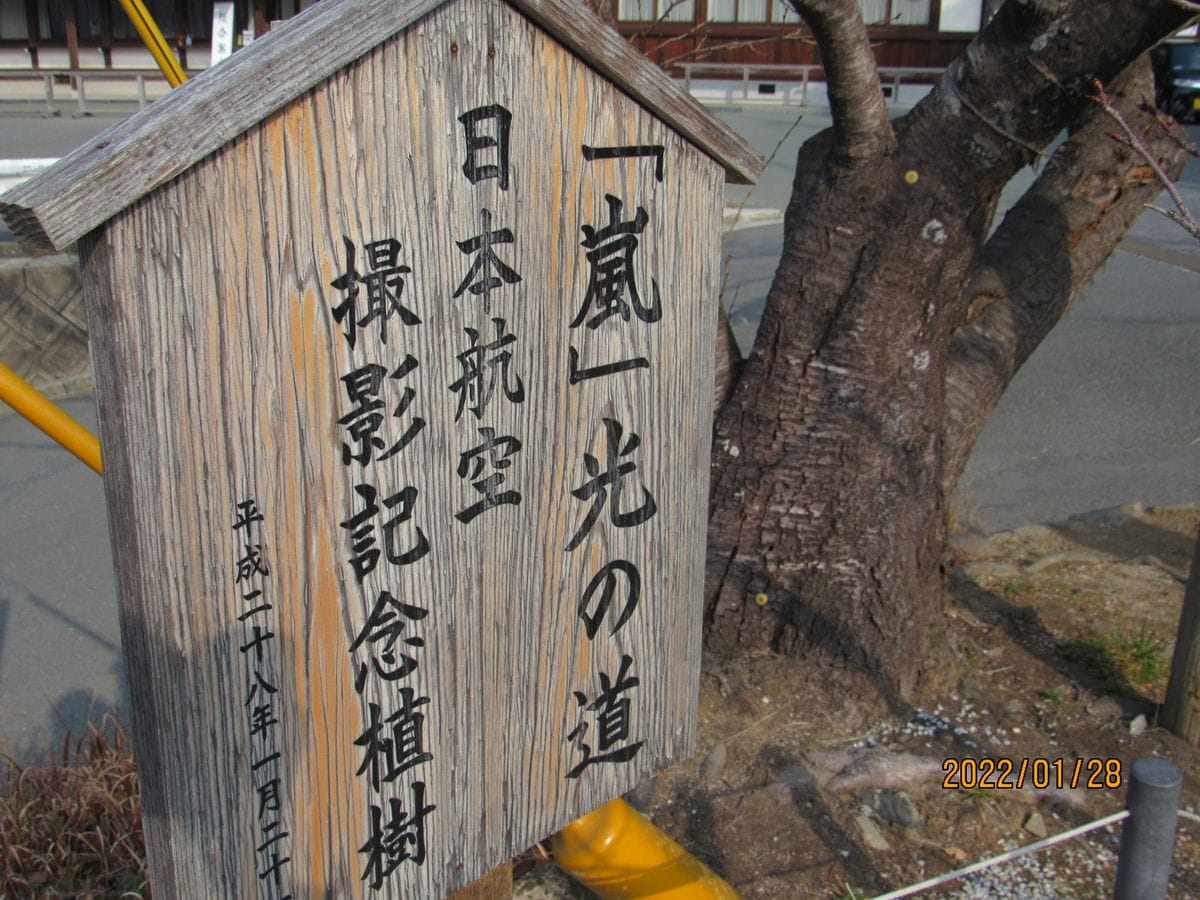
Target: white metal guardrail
pixel 1147 838
pixel 14 171
pixel 79 79
pixel 1003 857
pixel 53 79
pixel 894 76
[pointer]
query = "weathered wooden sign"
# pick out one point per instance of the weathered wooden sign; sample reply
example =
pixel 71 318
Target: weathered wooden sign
pixel 403 325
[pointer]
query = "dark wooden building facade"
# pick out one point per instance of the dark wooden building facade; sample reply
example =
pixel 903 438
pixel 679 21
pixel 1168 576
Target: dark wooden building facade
pixel 926 33
pixel 103 26
pixel 769 32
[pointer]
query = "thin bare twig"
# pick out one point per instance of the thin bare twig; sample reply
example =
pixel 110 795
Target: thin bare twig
pixel 1175 217
pixel 1168 126
pixel 700 51
pixel 1007 135
pixel 681 37
pixel 1131 140
pixel 666 12
pixel 770 158
pixel 769 715
pixel 738 215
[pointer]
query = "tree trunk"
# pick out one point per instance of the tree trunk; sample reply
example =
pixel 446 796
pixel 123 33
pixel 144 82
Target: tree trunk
pixel 828 504
pixel 1045 252
pixel 602 8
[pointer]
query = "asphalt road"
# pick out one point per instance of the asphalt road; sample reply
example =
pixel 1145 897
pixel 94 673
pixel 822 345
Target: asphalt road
pixel 1106 412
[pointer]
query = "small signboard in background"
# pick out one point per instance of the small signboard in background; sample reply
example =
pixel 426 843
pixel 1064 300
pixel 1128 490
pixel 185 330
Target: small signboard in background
pixel 223 28
pixel 404 366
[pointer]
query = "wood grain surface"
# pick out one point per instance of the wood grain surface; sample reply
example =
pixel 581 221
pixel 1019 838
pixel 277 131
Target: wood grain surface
pixel 119 166
pixel 220 372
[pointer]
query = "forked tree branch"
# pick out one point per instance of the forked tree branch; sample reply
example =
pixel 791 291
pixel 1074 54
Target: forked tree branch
pixel 1044 253
pixel 1182 215
pixel 862 128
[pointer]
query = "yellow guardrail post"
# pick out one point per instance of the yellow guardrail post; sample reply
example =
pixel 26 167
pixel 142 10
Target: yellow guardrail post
pixel 153 38
pixel 616 853
pixel 49 417
pixel 14 390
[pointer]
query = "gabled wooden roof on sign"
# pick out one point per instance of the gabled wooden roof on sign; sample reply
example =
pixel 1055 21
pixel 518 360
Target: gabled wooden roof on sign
pixel 118 167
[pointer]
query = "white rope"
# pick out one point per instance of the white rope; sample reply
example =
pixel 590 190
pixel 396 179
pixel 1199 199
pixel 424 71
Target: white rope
pixel 1189 815
pixel 1005 857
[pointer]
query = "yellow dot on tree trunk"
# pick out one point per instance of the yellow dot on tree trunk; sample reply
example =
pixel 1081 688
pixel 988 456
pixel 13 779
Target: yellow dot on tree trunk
pixel 760 599
pixel 911 177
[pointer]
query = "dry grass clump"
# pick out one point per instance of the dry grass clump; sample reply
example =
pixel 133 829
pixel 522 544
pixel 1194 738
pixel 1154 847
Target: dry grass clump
pixel 73 827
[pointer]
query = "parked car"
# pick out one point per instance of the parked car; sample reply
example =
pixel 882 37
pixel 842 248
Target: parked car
pixel 1177 79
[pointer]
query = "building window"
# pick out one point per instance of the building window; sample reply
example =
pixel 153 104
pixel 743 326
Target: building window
pixel 752 11
pixel 89 18
pixel 895 12
pixel 780 12
pixel 12 22
pixel 656 10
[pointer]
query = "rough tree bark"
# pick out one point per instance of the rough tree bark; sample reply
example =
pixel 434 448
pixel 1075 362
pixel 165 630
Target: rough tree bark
pixel 602 8
pixel 894 322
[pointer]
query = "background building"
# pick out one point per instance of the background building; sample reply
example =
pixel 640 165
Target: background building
pixel 97 33
pixel 925 33
pixel 45 33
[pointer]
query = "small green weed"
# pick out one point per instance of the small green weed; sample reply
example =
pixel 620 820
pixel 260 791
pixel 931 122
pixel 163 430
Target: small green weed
pixel 1013 587
pixel 1141 657
pixel 1053 696
pixel 1120 661
pixel 1019 591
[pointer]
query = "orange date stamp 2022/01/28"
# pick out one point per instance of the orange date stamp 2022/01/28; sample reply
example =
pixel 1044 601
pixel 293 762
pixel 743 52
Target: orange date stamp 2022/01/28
pixel 1039 772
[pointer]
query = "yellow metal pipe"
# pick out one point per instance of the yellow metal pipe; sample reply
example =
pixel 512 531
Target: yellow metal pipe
pixel 14 390
pixel 49 417
pixel 155 42
pixel 616 853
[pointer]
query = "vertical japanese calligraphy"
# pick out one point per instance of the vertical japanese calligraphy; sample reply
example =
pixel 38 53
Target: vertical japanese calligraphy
pixel 613 298
pixel 486 461
pixel 251 578
pixel 488 271
pixel 384 536
pixel 383 283
pixel 612 289
pixel 611 715
pixel 603 488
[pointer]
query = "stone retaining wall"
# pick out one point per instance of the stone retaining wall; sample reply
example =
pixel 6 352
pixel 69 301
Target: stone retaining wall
pixel 43 329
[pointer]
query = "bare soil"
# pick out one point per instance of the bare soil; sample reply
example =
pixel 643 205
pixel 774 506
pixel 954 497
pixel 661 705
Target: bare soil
pixel 1058 640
